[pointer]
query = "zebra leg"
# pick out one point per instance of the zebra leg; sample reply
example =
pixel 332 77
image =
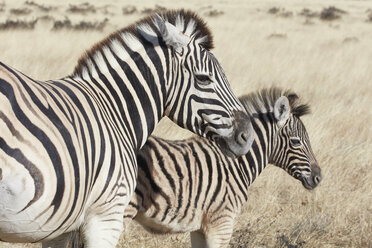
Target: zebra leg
pixel 103 231
pixel 129 214
pixel 218 234
pixel 131 210
pixel 198 240
pixel 66 240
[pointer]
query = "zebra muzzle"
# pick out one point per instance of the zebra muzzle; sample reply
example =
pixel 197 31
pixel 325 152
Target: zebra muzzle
pixel 314 179
pixel 240 140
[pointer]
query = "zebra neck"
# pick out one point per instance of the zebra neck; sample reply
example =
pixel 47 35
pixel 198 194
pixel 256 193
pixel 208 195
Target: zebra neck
pixel 257 158
pixel 135 89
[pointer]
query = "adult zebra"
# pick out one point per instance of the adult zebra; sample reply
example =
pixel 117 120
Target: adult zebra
pixel 68 147
pixel 190 186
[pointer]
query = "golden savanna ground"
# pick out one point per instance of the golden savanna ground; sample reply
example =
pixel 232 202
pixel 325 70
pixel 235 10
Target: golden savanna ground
pixel 326 58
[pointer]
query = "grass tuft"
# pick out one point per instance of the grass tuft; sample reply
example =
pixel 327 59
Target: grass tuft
pixel 82 25
pixel 40 7
pixel 83 8
pixel 18 24
pixel 129 10
pixel 20 11
pixel 331 13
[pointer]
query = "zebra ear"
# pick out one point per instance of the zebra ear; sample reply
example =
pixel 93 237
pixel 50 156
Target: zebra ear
pixel 171 35
pixel 281 110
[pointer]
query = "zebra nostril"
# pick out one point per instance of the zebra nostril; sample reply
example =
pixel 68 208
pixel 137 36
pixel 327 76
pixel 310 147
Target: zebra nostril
pixel 242 138
pixel 317 179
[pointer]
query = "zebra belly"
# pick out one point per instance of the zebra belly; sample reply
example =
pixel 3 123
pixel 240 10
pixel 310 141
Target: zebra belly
pixel 169 224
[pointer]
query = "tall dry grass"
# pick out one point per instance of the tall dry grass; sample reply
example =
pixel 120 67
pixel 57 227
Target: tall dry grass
pixel 328 63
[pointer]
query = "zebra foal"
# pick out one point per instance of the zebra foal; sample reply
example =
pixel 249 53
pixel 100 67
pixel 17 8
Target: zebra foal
pixel 68 147
pixel 191 186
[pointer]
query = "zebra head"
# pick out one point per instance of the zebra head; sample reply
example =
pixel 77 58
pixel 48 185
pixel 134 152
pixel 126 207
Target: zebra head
pixel 200 98
pixel 292 150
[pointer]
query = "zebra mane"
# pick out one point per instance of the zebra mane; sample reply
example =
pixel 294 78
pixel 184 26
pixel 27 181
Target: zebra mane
pixel 145 31
pixel 263 101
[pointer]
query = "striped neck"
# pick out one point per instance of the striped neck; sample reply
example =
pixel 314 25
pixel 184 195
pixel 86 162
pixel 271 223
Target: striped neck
pixel 135 66
pixel 252 164
pixel 135 85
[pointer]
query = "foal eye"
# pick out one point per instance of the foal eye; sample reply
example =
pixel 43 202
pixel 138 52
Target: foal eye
pixel 203 79
pixel 295 142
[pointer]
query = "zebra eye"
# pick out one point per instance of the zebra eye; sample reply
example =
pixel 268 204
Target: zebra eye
pixel 295 142
pixel 203 79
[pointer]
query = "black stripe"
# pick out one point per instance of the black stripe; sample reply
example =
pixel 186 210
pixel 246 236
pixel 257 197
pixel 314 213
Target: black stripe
pixel 200 178
pixel 129 98
pixel 29 166
pixel 147 74
pixel 178 178
pixel 208 162
pixel 8 91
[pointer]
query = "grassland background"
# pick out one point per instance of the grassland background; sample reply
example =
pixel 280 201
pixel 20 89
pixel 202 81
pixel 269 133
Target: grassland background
pixel 328 63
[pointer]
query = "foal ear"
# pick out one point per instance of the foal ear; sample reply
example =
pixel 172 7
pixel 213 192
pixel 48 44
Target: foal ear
pixel 171 35
pixel 281 110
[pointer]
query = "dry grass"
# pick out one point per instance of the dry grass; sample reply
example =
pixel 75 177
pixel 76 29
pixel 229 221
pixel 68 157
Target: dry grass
pixel 331 13
pixel 128 10
pixel 83 8
pixel 20 11
pixel 17 24
pixel 42 7
pixel 327 63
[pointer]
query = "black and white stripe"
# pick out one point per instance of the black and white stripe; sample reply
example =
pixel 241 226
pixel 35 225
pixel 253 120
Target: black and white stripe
pixel 68 147
pixel 191 186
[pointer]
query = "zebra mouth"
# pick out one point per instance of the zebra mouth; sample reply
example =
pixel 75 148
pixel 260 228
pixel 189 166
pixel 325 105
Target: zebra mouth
pixel 307 184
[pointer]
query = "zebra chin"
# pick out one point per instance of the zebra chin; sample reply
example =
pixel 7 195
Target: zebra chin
pixel 240 140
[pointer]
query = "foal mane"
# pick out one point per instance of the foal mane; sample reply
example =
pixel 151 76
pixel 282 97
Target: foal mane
pixel 263 101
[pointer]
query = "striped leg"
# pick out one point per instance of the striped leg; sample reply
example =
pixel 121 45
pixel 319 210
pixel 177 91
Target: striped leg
pixel 215 235
pixel 129 214
pixel 218 234
pixel 103 230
